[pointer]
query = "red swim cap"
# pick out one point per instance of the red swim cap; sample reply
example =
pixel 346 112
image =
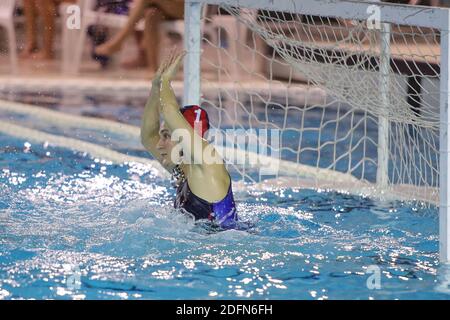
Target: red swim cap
pixel 196 116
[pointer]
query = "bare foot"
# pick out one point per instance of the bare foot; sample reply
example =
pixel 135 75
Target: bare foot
pixel 43 55
pixel 108 48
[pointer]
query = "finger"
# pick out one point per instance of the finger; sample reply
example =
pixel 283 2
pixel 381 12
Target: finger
pixel 177 62
pixel 169 57
pixel 165 64
pixel 175 53
pixel 160 68
pixel 181 55
pixel 173 56
pixel 177 57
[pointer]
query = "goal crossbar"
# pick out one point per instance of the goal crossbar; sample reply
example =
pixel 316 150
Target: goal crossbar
pixel 422 16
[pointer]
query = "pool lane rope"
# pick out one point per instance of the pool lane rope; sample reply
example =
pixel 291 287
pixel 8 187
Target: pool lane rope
pixel 65 120
pixel 94 150
pixel 296 174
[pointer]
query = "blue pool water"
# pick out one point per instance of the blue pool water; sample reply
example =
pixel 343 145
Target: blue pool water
pixel 74 227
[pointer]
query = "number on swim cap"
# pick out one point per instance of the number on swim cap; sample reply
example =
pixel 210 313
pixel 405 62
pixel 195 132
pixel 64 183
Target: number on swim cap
pixel 198 112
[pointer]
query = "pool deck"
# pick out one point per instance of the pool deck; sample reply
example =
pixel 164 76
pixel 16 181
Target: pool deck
pixel 49 71
pixel 36 76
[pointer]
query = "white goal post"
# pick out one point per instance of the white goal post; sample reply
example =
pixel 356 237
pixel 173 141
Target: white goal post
pixel 368 82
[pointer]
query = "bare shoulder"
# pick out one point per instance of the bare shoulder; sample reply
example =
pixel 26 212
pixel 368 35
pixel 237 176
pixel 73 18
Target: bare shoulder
pixel 210 182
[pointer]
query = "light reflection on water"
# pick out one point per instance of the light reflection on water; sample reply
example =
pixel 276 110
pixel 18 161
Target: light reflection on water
pixel 111 229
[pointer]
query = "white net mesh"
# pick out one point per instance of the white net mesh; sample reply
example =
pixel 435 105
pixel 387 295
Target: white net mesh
pixel 328 85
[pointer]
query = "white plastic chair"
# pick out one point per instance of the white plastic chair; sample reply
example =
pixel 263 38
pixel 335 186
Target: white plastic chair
pixel 73 48
pixel 74 40
pixel 7 21
pixel 216 25
pixel 235 32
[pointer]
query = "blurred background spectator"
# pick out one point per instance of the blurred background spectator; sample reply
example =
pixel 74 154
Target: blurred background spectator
pixel 154 12
pixel 99 33
pixel 46 9
pixel 39 29
pixel 434 3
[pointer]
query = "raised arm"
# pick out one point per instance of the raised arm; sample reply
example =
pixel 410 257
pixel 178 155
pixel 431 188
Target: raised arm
pixel 150 121
pixel 173 118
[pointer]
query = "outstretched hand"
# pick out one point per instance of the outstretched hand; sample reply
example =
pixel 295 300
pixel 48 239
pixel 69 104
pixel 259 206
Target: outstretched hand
pixel 169 67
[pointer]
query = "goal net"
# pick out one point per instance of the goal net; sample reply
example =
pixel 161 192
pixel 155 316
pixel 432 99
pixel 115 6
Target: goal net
pixel 353 97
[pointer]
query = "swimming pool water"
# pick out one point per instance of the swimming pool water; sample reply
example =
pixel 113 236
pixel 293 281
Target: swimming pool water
pixel 66 217
pixel 74 227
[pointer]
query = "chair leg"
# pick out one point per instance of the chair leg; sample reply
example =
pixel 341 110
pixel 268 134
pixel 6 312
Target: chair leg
pixel 67 43
pixel 79 48
pixel 224 25
pixel 12 47
pixel 232 32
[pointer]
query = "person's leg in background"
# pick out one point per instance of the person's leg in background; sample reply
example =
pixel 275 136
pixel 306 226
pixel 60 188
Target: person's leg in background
pixel 153 19
pixel 30 12
pixel 47 11
pixel 154 16
pixel 173 9
pixel 115 44
pixel 433 3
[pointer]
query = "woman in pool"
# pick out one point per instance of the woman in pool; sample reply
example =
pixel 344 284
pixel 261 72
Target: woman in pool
pixel 203 187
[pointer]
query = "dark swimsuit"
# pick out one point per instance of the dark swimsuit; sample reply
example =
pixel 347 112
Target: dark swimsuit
pixel 223 212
